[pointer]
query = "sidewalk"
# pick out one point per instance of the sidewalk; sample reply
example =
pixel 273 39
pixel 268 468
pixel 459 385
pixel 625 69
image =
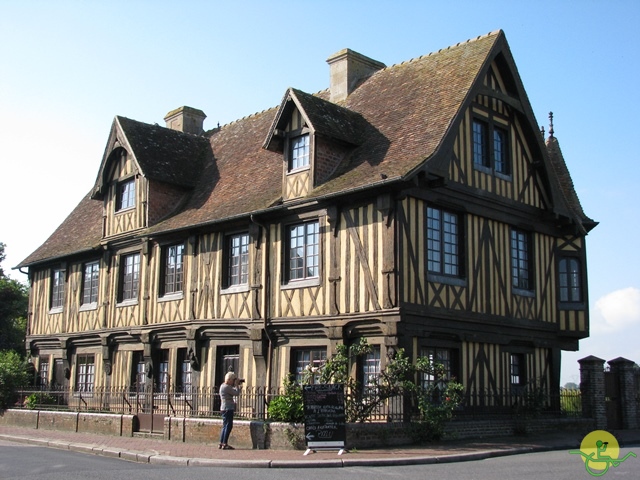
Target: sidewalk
pixel 149 450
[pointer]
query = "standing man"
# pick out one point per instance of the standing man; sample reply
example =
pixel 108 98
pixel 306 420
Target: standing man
pixel 228 390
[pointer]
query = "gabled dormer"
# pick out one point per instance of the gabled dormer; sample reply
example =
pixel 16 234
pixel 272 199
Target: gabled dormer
pixel 121 188
pixel 147 171
pixel 314 137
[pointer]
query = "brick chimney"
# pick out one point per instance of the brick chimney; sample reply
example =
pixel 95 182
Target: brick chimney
pixel 186 119
pixel 347 69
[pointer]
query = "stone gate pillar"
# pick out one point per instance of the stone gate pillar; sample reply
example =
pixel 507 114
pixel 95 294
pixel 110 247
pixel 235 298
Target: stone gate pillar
pixel 624 369
pixel 592 390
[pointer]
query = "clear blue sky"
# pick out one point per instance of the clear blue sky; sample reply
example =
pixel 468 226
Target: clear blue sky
pixel 67 68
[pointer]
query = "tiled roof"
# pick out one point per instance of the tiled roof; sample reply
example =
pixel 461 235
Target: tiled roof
pixel 565 182
pixel 396 120
pixel 163 154
pixel 241 178
pixel 411 107
pixel 329 119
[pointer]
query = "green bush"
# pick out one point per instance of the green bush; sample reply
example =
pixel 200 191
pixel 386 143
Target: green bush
pixel 39 398
pixel 13 374
pixel 287 408
pixel 435 414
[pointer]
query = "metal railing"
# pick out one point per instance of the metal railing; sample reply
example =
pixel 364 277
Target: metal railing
pixel 525 401
pixel 189 402
pixel 252 403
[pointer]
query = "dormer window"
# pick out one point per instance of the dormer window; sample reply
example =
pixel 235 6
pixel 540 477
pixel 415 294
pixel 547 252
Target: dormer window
pixel 299 152
pixel 126 195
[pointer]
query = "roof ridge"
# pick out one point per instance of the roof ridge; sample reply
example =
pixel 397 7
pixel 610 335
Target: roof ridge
pixel 426 55
pixel 246 117
pixel 166 129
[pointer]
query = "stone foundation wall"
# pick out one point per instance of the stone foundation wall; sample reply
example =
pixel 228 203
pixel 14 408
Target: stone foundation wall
pixel 374 435
pixel 458 429
pixel 245 434
pixel 102 423
pixel 272 435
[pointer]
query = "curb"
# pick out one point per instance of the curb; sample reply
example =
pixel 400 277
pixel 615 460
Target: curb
pixel 155 458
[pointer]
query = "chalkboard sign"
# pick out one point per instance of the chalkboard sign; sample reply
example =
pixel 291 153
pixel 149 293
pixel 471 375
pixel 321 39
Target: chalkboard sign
pixel 324 419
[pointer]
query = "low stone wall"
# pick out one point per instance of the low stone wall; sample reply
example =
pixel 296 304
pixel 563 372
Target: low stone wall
pixel 245 434
pixel 19 418
pixel 66 421
pixel 119 425
pixel 374 435
pixel 81 422
pixel 285 436
pixel 504 427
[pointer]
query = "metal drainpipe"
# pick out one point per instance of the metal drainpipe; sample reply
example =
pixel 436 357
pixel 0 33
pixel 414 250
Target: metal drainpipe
pixel 266 306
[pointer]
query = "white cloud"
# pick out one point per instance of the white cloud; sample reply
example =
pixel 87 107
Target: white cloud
pixel 617 311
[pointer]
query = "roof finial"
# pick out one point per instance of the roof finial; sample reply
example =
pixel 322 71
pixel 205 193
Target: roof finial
pixel 550 124
pixel 542 130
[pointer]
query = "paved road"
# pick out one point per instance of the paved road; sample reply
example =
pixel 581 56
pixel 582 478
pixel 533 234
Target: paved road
pixel 25 462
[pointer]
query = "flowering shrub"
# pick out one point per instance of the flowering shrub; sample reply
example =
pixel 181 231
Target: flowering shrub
pixel 435 401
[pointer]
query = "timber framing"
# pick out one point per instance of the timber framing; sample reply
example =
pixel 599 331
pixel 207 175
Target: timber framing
pixel 403 222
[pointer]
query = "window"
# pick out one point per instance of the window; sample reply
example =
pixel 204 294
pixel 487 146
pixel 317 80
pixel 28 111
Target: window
pixel 521 271
pixel 500 151
pixel 90 283
pixel 299 152
pixel 371 367
pixel 447 357
pixel 443 242
pixel 126 195
pixel 43 373
pixel 304 252
pixel 85 373
pixel 58 379
pixel 491 155
pixel 480 146
pixel 57 289
pixel 228 360
pixel 238 260
pixel 517 369
pixel 138 372
pixel 570 280
pixel 130 277
pixel 184 372
pixel 162 372
pixel 173 271
pixel 307 358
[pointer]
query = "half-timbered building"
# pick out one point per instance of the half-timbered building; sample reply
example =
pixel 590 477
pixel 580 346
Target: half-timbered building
pixel 417 205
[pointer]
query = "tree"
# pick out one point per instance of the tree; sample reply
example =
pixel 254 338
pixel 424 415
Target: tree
pixel 14 303
pixel 2 257
pixel 13 374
